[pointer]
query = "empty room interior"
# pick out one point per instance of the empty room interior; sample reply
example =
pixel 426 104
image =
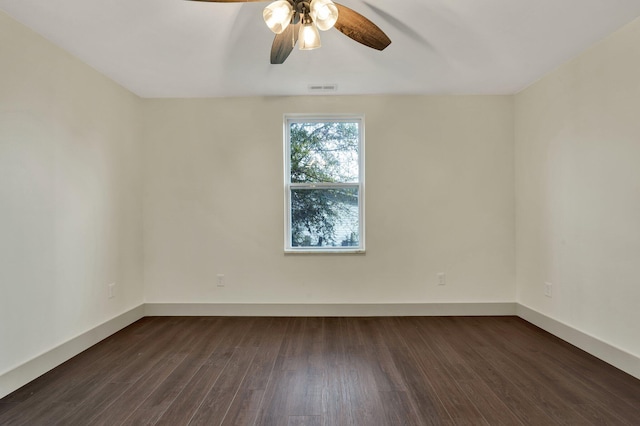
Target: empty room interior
pixel 163 260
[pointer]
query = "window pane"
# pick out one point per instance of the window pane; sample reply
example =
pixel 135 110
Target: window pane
pixel 324 217
pixel 324 152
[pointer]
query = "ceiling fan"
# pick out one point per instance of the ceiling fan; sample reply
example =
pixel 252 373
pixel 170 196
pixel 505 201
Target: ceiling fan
pixel 299 20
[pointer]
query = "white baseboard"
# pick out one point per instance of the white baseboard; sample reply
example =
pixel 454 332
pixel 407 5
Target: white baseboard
pixel 329 310
pixel 26 372
pixel 608 353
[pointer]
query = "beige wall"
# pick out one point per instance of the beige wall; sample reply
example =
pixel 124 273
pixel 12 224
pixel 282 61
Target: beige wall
pixel 578 192
pixel 439 198
pixel 70 189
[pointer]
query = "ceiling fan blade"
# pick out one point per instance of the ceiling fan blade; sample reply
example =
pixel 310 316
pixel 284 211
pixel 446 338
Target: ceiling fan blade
pixel 284 43
pixel 359 28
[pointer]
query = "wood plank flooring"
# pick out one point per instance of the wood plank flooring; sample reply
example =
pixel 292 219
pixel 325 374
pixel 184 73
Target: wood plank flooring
pixel 329 371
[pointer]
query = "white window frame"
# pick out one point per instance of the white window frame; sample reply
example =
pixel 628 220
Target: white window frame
pixel 288 186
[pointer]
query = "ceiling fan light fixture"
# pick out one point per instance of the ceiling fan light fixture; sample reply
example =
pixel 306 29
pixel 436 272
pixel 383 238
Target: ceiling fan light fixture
pixel 278 15
pixel 298 21
pixel 309 36
pixel 324 13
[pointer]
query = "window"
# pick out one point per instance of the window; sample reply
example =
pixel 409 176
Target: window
pixel 324 183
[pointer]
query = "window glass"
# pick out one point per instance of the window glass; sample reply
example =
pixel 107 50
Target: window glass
pixel 324 183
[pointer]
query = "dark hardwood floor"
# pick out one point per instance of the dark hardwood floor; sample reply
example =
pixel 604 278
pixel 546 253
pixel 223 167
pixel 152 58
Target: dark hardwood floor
pixel 329 371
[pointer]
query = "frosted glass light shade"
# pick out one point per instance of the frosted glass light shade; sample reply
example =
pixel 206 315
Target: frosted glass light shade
pixel 278 15
pixel 324 14
pixel 309 36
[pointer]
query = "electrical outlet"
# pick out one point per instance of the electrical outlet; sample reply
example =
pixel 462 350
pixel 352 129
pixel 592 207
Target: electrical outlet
pixel 442 278
pixel 110 290
pixel 220 280
pixel 548 289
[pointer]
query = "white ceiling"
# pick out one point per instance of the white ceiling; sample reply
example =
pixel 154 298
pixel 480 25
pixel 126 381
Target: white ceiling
pixel 178 48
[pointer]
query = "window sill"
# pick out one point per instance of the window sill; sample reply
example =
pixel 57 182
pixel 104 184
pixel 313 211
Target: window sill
pixel 288 251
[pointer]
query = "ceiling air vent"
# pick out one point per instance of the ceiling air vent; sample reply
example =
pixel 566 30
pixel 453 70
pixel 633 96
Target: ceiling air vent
pixel 322 88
